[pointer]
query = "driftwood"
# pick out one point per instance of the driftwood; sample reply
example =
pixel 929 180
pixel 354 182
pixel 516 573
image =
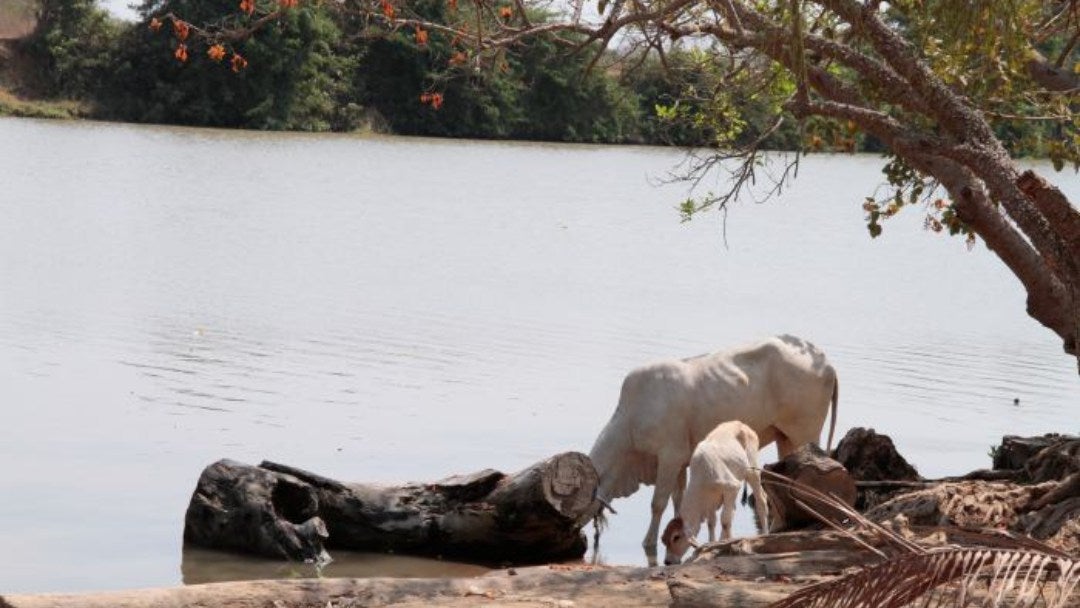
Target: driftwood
pixel 871 456
pixel 878 468
pixel 1015 452
pixel 1048 512
pixel 532 516
pixel 1057 460
pixel 810 466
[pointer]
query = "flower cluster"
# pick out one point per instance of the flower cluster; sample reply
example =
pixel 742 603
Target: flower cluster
pixel 435 100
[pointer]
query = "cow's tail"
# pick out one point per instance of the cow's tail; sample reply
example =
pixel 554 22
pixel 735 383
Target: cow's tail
pixel 599 521
pixel 832 423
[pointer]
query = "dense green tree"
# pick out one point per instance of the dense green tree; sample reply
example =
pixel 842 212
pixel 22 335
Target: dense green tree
pixel 72 46
pixel 298 85
pixel 396 69
pixel 563 101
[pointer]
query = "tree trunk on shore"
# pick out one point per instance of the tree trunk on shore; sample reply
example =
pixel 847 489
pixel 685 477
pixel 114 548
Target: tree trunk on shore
pixel 808 465
pixel 532 516
pixel 878 468
pixel 1036 459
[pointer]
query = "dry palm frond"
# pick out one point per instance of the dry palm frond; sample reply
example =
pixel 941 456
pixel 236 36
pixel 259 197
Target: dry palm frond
pixel 949 576
pixel 1011 578
pixel 806 494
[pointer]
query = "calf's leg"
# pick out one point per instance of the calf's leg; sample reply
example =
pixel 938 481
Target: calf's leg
pixel 728 514
pixel 753 477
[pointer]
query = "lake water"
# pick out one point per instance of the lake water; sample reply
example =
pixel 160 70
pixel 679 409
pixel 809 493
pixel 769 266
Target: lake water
pixel 385 309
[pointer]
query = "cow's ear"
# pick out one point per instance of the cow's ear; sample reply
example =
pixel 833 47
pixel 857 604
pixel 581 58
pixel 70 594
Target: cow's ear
pixel 694 542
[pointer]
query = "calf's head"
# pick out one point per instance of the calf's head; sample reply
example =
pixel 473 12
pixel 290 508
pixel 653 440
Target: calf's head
pixel 676 541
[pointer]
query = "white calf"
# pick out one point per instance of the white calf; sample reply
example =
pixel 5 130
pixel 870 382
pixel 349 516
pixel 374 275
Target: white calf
pixel 718 467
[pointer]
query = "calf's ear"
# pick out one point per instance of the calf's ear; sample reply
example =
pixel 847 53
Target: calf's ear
pixel 694 542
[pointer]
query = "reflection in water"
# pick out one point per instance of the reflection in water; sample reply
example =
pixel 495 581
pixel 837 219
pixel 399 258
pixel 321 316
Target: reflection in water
pixel 349 307
pixel 207 566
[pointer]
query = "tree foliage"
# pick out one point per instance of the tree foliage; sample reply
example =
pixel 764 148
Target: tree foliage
pixel 186 80
pixel 71 44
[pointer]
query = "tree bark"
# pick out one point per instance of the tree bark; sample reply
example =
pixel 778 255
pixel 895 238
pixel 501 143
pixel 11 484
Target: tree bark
pixel 1049 76
pixel 810 466
pixel 254 510
pixel 532 516
pixel 872 456
pixel 1050 457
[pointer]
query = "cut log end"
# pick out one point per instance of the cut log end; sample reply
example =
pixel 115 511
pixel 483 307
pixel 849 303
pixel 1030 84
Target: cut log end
pixel 570 484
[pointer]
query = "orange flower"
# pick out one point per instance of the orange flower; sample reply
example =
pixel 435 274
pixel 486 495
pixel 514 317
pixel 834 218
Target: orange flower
pixel 435 99
pixel 247 6
pixel 181 29
pixel 387 9
pixel 288 3
pixel 181 53
pixel 216 52
pixel 421 36
pixel 458 58
pixel 506 12
pixel 453 4
pixel 238 62
pixel 155 24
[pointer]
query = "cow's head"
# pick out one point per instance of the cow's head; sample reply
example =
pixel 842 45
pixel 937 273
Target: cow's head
pixel 676 541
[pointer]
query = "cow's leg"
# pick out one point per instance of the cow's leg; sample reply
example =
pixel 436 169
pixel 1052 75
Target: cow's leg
pixel 784 445
pixel 711 519
pixel 667 476
pixel 728 514
pixel 767 436
pixel 680 489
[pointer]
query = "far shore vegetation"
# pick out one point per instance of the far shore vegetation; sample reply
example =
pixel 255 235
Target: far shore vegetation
pixel 318 71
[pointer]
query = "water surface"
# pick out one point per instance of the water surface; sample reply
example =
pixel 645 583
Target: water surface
pixel 405 309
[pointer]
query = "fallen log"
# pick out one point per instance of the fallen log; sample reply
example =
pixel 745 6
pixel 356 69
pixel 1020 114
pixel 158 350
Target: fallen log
pixel 872 456
pixel 878 468
pixel 533 516
pixel 1054 462
pixel 1015 452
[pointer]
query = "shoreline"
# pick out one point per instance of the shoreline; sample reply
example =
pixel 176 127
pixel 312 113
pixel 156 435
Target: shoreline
pixel 580 586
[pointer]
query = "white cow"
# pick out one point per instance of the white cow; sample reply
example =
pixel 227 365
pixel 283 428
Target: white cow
pixel 781 388
pixel 718 467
